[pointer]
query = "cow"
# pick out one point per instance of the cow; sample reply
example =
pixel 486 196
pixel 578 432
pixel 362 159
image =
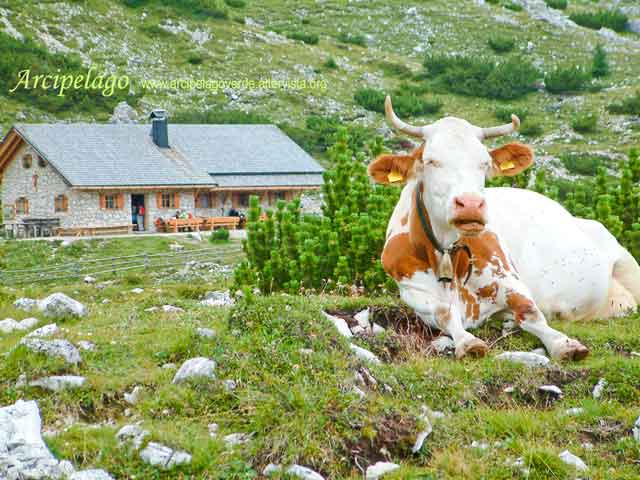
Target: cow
pixel 460 252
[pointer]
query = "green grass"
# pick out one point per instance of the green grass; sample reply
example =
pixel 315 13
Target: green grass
pixel 300 406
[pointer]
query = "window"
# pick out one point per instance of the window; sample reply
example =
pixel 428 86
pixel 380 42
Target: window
pixel 22 206
pixel 61 204
pixel 112 201
pixel 207 200
pixel 168 200
pixel 27 160
pixel 41 162
pixel 243 199
pixel 281 195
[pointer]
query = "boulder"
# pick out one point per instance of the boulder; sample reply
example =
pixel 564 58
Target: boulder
pixel 60 305
pixel 10 325
pixel 213 430
pixel 53 348
pixel 599 388
pixel 164 457
pixel 525 358
pixel 89 280
pixel 23 453
pixel 271 469
pixel 133 434
pixel 44 332
pixel 91 474
pixel 364 354
pixel 57 383
pixel 636 430
pixel 340 324
pixel 363 319
pixel 198 367
pixel 378 469
pixel 26 304
pixel 217 299
pixel 305 473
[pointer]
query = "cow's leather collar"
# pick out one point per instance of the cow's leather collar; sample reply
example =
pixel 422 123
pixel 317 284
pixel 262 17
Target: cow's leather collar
pixel 445 271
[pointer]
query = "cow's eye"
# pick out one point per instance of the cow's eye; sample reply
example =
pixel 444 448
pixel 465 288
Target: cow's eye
pixel 432 163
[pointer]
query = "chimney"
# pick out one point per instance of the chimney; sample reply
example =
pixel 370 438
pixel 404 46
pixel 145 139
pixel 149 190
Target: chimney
pixel 160 128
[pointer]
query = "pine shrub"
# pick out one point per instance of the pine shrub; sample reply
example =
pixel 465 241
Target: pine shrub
pixel 515 7
pixel 581 164
pixel 330 63
pixel 294 252
pixel 504 112
pixel 557 4
pixel 613 19
pixel 567 79
pixel 236 3
pixel 359 40
pixel 628 106
pixel 585 122
pixel 219 235
pixel 600 64
pixel 405 102
pixel 501 43
pixel 308 38
pixel 531 128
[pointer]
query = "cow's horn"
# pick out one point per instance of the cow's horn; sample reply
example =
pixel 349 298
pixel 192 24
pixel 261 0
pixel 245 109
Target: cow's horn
pixel 399 124
pixel 502 129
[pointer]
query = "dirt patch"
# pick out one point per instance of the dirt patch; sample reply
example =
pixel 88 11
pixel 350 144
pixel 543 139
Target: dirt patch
pixel 607 429
pixel 557 376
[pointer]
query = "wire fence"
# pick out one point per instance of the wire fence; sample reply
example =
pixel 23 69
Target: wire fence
pixel 108 266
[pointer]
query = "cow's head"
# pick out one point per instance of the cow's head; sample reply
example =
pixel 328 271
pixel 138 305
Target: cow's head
pixel 453 164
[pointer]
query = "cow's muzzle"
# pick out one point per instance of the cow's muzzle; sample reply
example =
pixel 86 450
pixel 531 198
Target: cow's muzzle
pixel 469 214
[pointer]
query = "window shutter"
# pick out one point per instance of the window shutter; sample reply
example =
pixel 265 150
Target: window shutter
pixel 103 201
pixel 159 199
pixel 65 203
pixel 213 199
pixel 26 206
pixel 176 199
pixel 120 201
pixel 198 199
pixel 234 200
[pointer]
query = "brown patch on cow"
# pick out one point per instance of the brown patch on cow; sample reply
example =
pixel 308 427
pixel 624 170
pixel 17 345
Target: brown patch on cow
pixel 404 220
pixel 400 259
pixel 511 159
pixel 472 306
pixel 486 250
pixel 520 305
pixel 386 163
pixel 489 291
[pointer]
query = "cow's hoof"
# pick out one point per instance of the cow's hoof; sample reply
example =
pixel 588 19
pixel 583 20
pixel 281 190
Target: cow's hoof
pixel 473 347
pixel 569 349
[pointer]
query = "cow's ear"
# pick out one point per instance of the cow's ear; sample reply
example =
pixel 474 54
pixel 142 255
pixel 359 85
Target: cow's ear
pixel 389 168
pixel 511 159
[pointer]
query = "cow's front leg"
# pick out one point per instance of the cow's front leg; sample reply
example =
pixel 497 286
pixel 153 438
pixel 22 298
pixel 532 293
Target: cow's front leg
pixel 449 319
pixel 529 317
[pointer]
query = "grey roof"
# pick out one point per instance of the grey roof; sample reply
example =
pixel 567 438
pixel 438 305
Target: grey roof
pixel 124 155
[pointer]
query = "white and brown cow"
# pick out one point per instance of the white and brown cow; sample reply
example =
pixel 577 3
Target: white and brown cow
pixel 515 251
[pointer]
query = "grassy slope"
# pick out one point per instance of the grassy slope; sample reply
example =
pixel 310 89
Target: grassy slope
pixel 114 36
pixel 299 406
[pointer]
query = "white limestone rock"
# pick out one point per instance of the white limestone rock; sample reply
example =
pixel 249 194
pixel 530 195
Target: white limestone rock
pixel 205 332
pixel 377 329
pixel 599 388
pixel 199 367
pixel 133 397
pixel 574 411
pixel 58 383
pixel 271 469
pixel 123 113
pixel 60 305
pixel 364 354
pixel 526 358
pixel 234 439
pixel 26 304
pixel 53 348
pixel 443 345
pixel 44 332
pixel 137 291
pixel 230 385
pixel 163 457
pixel 91 474
pixel 340 324
pixel 23 453
pixel 133 434
pixel 213 430
pixel 9 325
pixel 636 430
pixel 378 469
pixel 87 346
pixel 572 460
pixel 552 389
pixel 89 280
pixel 426 431
pixel 217 299
pixel 363 319
pixel 172 309
pixel 305 473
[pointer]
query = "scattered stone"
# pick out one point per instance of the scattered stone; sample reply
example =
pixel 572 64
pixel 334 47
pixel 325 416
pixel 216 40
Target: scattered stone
pixel 57 383
pixel 213 430
pixel 304 473
pixel 53 348
pixel 87 346
pixel 89 280
pixel 271 469
pixel 422 436
pixel 133 434
pixel 137 291
pixel 305 351
pixel 26 304
pixel 552 389
pixel 23 453
pixel 169 366
pixel 164 457
pixel 10 325
pixel 123 113
pixel 359 392
pixel 133 397
pixel 599 388
pixel 205 332
pixel 21 381
pixel 217 299
pixel 230 385
pixel 479 445
pixel 176 247
pixel 234 439
pixel 363 319
pixel 443 345
pixel 195 367
pixel 377 329
pixel 509 389
pixel 60 305
pixel 636 430
pixel 92 474
pixel 526 358
pixel 364 354
pixel 340 324
pixel 106 301
pixel 574 411
pixel 359 330
pixel 151 309
pixel 570 459
pixel 172 309
pixel 379 469
pixel 44 332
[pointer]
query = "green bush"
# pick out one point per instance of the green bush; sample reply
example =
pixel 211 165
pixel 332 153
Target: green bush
pixel 600 64
pixel 219 235
pixel 309 38
pixel 404 103
pixel 504 112
pixel 567 79
pixel 516 7
pixel 557 4
pixel 195 58
pixel 359 40
pixel 581 164
pixel 198 8
pixel 155 30
pixel 482 77
pixel 532 128
pixel 501 43
pixel 392 69
pixel 294 252
pixel 215 115
pixel 585 122
pixel 330 63
pixel 236 3
pixel 613 19
pixel 628 106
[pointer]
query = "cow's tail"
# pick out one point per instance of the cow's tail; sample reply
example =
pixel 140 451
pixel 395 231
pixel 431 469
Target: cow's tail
pixel 627 272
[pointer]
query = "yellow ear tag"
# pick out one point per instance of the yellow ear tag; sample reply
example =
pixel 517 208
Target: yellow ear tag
pixel 394 177
pixel 507 166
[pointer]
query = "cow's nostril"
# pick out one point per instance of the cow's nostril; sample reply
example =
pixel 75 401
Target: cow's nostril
pixel 482 204
pixel 459 203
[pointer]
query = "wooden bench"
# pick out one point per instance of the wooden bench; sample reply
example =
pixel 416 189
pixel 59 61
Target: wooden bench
pixel 182 224
pixel 94 231
pixel 212 223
